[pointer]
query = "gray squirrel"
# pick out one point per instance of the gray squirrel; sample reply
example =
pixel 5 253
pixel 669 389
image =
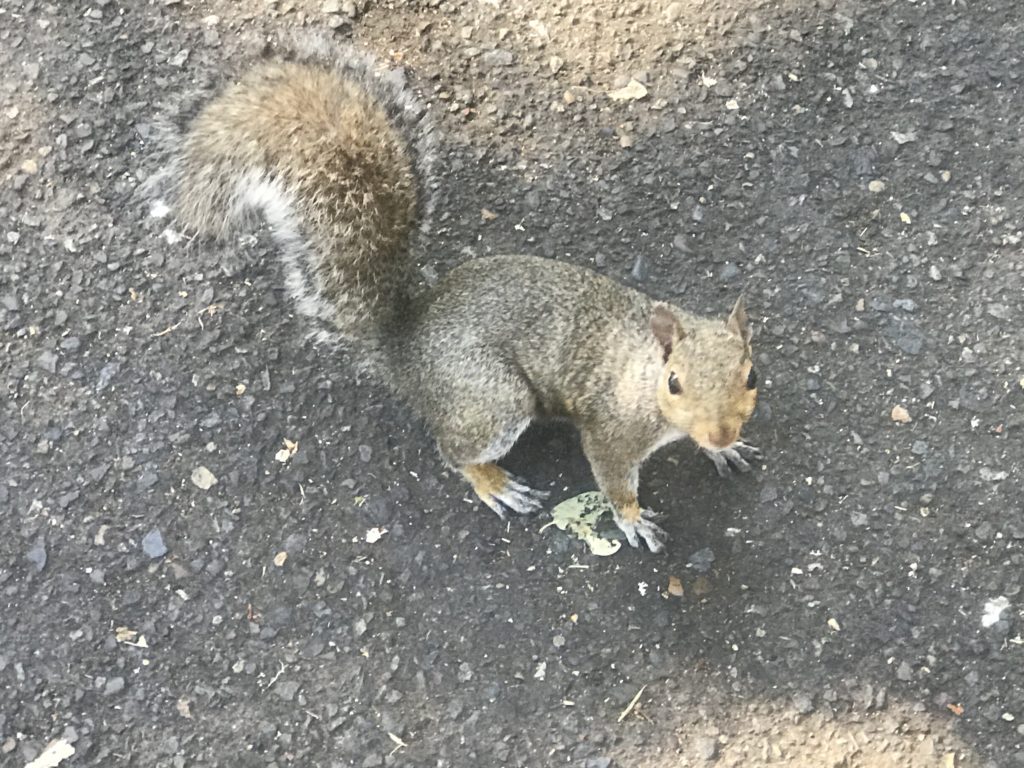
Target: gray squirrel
pixel 335 155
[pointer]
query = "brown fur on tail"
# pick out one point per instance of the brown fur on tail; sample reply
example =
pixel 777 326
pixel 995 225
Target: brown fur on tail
pixel 334 155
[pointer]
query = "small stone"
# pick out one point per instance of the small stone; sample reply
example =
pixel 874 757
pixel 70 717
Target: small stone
pixel 497 58
pixel 876 186
pixel 904 672
pixel 465 672
pixel 702 559
pixel 803 703
pixel 153 544
pixel 555 64
pixel 639 271
pixel 203 478
pixel 701 587
pixel 900 415
pixel 114 685
pixel 707 748
pixel 331 6
pixel 47 361
pixel 146 480
pixel 286 691
pixel 37 555
pixel 729 271
pixel 672 12
pixel 365 453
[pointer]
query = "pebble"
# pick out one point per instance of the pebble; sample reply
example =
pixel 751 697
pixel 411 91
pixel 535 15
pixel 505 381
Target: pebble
pixel 153 544
pixel 672 12
pixel 497 58
pixel 707 748
pixel 286 691
pixel 47 361
pixel 465 672
pixel 639 271
pixel 702 559
pixel 37 555
pixel 904 672
pixel 114 685
pixel 803 703
pixel 729 271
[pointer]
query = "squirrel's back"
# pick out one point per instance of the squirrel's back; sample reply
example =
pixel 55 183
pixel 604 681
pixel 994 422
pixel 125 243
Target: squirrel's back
pixel 335 155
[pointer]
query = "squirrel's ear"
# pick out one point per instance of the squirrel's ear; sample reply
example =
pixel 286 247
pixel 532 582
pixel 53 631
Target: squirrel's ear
pixel 666 328
pixel 737 322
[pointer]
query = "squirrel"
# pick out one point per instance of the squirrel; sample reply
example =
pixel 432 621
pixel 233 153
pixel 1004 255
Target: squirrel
pixel 336 155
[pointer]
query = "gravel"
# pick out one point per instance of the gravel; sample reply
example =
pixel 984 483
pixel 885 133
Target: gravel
pixel 132 355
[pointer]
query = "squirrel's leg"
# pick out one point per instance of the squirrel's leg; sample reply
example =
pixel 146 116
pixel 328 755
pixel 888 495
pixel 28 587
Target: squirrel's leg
pixel 473 445
pixel 618 476
pixel 501 491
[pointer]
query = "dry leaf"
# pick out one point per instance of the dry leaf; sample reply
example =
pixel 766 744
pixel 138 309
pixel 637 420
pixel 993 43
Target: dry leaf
pixel 675 586
pixel 900 415
pixel 287 452
pixel 240 389
pixel 579 514
pixel 904 217
pixel 487 214
pixel 956 709
pixel 125 635
pixel 280 557
pixel 130 637
pixel 833 624
pixel 203 478
pixel 630 92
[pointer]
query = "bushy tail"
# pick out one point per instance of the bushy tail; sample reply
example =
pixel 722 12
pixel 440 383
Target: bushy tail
pixel 336 156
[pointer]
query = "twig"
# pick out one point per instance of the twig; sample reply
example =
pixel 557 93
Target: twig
pixel 629 708
pixel 274 678
pixel 399 744
pixel 166 330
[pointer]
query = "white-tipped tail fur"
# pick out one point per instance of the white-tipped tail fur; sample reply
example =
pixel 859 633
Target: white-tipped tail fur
pixel 335 155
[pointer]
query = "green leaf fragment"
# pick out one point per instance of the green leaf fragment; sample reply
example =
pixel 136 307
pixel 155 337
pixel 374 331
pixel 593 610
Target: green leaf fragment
pixel 580 514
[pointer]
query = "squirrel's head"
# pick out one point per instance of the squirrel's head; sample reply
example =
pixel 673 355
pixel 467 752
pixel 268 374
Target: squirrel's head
pixel 708 386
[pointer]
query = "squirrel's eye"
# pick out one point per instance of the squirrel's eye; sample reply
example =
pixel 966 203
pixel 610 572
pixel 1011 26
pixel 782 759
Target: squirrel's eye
pixel 673 384
pixel 752 379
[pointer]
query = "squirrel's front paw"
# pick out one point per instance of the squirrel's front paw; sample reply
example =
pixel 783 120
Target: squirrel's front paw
pixel 643 528
pixel 737 456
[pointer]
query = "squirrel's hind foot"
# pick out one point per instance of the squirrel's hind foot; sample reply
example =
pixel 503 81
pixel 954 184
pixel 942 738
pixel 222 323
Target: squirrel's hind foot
pixel 736 457
pixel 504 493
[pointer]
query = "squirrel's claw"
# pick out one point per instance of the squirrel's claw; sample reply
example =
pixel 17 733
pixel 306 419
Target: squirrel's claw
pixel 652 534
pixel 735 457
pixel 516 498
